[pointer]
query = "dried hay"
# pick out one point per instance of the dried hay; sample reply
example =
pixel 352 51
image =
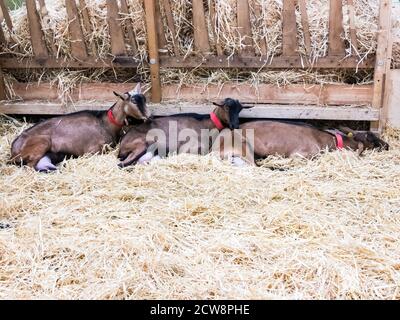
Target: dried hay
pixel 196 228
pixel 267 27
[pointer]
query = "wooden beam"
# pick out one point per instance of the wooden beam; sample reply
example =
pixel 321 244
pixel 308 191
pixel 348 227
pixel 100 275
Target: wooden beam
pixel 263 40
pixel 383 61
pixel 116 34
pixel 6 15
pixel 78 46
pixel 264 93
pixel 86 23
pixel 281 62
pixel 244 28
pixel 211 62
pixel 3 95
pixel 306 25
pixel 171 25
pixel 54 63
pixel 289 41
pixel 36 32
pixel 352 22
pixel 201 41
pixel 214 22
pixel 336 44
pixel 128 25
pixel 259 111
pixel 152 42
pixel 162 41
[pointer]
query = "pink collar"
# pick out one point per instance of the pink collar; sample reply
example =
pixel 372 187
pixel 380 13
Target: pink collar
pixel 339 141
pixel 216 121
pixel 113 120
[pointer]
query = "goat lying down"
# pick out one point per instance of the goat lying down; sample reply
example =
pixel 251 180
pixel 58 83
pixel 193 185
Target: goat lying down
pixel 76 134
pixel 139 146
pixel 288 139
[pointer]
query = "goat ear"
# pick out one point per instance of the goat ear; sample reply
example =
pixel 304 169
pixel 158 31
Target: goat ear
pixel 247 107
pixel 137 90
pixel 360 148
pixel 119 95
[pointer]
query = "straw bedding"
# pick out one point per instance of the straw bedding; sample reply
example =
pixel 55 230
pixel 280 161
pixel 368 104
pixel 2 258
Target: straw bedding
pixel 194 227
pixel 267 27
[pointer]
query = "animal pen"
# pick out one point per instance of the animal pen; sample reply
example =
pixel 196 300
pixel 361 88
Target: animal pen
pixel 208 52
pixel 195 227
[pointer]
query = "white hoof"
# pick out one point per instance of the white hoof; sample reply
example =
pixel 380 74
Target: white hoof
pixel 238 162
pixel 45 165
pixel 155 159
pixel 146 158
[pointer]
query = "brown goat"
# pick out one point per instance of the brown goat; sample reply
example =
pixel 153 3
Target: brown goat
pixel 76 134
pixel 290 139
pixel 139 144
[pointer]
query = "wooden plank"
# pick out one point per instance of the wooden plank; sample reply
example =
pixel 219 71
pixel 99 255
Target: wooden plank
pixel 264 93
pixel 36 32
pixel 281 62
pixel 128 25
pixel 214 22
pixel 152 42
pixel 306 25
pixel 201 41
pixel 383 59
pixel 244 28
pixel 2 36
pixel 86 23
pixel 162 41
pixel 57 63
pixel 3 95
pixel 289 41
pixel 263 41
pixel 191 62
pixel 116 34
pixel 171 25
pixel 352 22
pixel 393 116
pixel 6 15
pixel 259 111
pixel 336 43
pixel 78 46
pixel 45 21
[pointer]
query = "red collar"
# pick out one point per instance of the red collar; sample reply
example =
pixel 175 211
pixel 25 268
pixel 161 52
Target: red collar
pixel 339 141
pixel 113 120
pixel 216 121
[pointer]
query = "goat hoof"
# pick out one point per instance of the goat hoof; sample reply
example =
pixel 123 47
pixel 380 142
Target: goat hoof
pixel 121 165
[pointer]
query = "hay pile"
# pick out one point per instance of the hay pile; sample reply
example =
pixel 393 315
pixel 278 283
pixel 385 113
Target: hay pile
pixel 266 27
pixel 194 227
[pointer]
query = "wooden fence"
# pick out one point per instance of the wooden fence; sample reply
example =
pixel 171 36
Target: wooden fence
pixel 299 102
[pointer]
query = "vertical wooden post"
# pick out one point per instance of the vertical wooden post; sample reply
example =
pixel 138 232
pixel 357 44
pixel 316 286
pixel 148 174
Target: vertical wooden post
pixel 289 41
pixel 152 41
pixel 86 22
pixel 128 25
pixel 162 41
pixel 117 37
pixel 244 27
pixel 263 41
pixel 35 27
pixel 306 25
pixel 201 41
pixel 336 44
pixel 214 21
pixel 383 61
pixel 352 22
pixel 3 95
pixel 78 45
